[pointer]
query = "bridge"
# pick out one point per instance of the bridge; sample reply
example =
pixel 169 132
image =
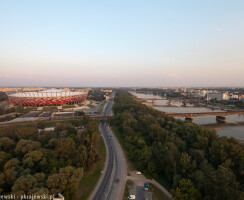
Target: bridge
pixel 169 100
pixel 48 119
pixel 220 116
pixel 187 100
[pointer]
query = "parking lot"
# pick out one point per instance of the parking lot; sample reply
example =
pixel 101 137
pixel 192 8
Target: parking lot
pixel 31 114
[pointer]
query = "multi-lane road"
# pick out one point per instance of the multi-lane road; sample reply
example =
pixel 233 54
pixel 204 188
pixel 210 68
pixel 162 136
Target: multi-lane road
pixel 112 183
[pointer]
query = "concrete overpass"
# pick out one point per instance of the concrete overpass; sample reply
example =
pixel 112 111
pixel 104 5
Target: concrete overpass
pixel 27 120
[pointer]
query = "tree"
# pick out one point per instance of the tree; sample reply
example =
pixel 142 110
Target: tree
pixel 41 191
pixel 4 157
pixel 24 184
pixel 60 127
pixel 32 158
pixel 186 191
pixel 53 143
pixel 45 136
pixel 225 185
pixel 186 164
pixel 176 149
pixel 41 125
pixel 80 113
pixel 20 109
pixel 23 146
pixel 11 170
pixel 53 183
pixel 2 181
pixel 40 177
pixel 6 143
pixel 66 148
pixel 39 161
pixel 66 181
pixel 26 132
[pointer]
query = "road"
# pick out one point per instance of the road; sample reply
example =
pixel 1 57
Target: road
pixel 115 167
pixel 140 193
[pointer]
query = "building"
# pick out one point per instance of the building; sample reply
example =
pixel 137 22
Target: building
pixel 234 96
pixel 20 89
pixel 203 93
pixel 47 98
pixel 218 96
pixel 108 91
pixel 241 97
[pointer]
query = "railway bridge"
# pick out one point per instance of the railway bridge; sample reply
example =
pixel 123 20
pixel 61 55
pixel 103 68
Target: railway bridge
pixel 170 100
pixel 220 116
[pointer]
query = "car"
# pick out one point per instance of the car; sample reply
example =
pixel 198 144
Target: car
pixel 138 173
pixel 146 186
pixel 117 180
pixel 132 196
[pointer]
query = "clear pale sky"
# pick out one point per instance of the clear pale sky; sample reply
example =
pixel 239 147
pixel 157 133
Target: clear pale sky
pixel 121 43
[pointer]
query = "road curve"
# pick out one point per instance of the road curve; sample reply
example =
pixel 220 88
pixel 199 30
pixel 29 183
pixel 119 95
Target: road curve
pixel 115 167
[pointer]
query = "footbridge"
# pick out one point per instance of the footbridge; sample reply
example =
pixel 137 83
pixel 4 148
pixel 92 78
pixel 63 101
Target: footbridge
pixel 220 116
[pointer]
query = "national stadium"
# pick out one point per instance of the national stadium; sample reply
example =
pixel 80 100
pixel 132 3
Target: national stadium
pixel 51 97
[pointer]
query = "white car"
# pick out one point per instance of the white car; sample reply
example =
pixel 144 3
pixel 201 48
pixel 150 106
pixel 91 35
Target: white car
pixel 132 196
pixel 138 173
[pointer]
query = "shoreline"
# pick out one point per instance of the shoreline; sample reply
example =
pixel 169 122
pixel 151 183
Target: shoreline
pixel 216 126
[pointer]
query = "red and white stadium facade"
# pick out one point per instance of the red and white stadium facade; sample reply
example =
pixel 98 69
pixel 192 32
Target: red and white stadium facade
pixel 47 98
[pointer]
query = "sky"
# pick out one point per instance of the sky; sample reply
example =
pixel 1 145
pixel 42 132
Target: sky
pixel 122 43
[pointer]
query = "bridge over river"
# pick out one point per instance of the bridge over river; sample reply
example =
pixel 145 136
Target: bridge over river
pixel 186 100
pixel 220 116
pixel 170 100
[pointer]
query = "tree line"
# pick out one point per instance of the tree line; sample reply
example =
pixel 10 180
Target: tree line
pixel 96 95
pixel 48 162
pixel 194 161
pixel 3 96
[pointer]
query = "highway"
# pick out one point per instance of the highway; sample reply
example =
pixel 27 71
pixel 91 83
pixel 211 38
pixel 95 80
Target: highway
pixel 111 186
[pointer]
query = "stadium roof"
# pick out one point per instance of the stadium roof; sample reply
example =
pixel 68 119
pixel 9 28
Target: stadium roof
pixel 46 93
pixel 51 90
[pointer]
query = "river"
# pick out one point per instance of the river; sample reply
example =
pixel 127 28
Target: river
pixel 234 125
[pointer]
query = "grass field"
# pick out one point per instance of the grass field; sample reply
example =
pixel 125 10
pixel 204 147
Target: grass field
pixel 53 123
pixel 91 106
pixel 50 108
pixel 101 109
pixel 89 181
pixel 70 106
pixel 127 189
pixel 30 108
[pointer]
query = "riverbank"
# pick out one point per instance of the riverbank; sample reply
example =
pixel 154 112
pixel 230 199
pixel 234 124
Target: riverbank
pixel 233 127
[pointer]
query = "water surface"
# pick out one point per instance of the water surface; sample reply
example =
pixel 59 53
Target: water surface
pixel 233 127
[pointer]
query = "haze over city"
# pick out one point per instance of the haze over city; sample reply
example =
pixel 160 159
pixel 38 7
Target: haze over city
pixel 127 43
